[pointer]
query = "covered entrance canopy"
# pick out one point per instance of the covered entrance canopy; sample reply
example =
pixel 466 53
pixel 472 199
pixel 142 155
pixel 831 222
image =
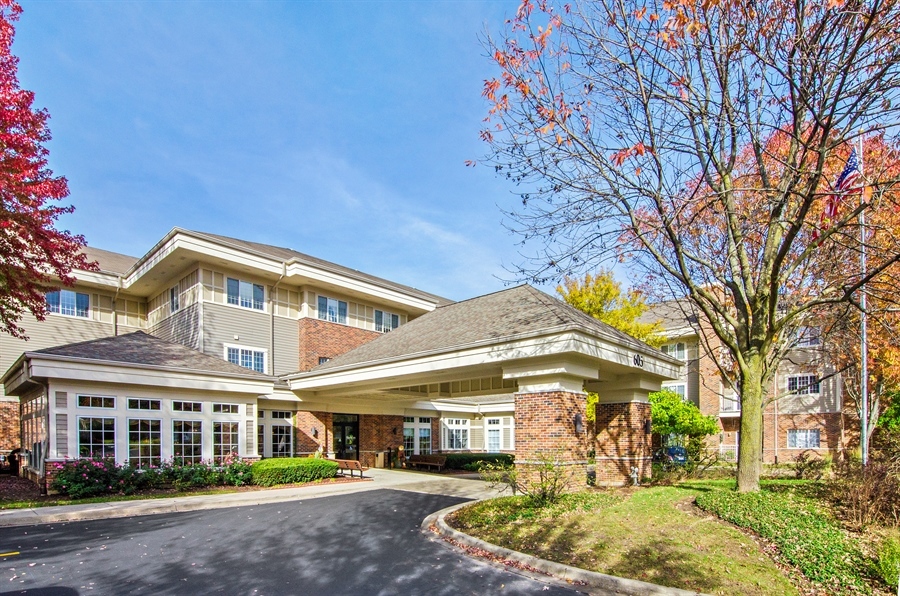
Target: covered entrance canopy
pixel 517 350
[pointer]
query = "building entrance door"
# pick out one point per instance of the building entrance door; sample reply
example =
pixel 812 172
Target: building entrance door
pixel 346 436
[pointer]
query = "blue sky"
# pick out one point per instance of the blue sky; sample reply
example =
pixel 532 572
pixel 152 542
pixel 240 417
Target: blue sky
pixel 339 129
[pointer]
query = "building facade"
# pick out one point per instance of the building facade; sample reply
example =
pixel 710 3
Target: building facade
pixel 209 345
pixel 805 408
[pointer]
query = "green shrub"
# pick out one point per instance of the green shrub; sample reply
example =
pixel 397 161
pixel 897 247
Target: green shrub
pixel 473 461
pixel 889 561
pixel 806 536
pixel 289 470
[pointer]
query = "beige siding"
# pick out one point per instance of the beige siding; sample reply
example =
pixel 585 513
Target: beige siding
pixel 159 306
pixel 476 435
pixel 287 346
pixel 183 327
pixel 827 400
pixel 221 323
pixel 55 330
pixel 358 314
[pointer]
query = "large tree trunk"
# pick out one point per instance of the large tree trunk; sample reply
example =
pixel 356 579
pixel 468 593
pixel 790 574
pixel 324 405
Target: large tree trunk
pixel 750 448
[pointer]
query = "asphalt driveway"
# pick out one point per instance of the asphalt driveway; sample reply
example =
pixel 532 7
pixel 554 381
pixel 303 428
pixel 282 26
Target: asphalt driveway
pixel 360 543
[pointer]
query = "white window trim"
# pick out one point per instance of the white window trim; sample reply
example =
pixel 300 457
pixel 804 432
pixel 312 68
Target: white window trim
pixel 174 300
pixel 671 387
pixel 806 388
pixel 339 301
pixel 203 444
pixel 675 345
pixel 265 301
pixel 90 310
pixel 212 409
pixel 156 399
pixel 98 408
pixel 451 424
pixel 806 431
pixel 116 435
pixel 128 420
pixel 265 353
pixel 187 401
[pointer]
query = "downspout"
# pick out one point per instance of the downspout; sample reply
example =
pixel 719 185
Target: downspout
pixel 272 319
pixel 115 309
pixel 775 432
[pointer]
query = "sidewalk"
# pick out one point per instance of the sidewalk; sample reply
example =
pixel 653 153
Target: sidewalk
pixel 458 486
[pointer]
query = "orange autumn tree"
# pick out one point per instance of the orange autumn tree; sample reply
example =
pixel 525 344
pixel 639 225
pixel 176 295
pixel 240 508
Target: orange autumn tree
pixel 698 141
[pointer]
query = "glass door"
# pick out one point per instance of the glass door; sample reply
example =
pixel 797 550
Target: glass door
pixel 346 436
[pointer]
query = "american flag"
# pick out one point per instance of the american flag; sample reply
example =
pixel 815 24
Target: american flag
pixel 844 185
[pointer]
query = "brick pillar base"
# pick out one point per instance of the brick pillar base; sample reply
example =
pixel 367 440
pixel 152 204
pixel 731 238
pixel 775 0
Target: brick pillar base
pixel 545 431
pixel 622 442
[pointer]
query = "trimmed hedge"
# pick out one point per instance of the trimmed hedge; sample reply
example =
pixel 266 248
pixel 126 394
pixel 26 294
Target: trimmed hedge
pixel 468 461
pixel 292 470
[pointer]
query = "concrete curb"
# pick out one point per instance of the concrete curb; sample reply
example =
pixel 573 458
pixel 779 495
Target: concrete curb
pixel 606 584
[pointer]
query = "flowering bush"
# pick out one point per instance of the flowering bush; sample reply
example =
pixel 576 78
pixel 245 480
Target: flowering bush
pixel 86 477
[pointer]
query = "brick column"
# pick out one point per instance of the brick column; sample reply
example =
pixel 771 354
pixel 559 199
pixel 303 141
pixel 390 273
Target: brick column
pixel 545 428
pixel 622 442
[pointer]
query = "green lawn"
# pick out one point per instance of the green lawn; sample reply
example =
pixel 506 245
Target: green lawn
pixel 652 534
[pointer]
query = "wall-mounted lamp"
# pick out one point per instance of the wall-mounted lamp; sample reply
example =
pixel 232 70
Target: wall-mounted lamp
pixel 648 425
pixel 315 432
pixel 579 424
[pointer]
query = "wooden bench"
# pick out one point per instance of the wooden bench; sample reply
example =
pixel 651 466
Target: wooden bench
pixel 427 461
pixel 350 464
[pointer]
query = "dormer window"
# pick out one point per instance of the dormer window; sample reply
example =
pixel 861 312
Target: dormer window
pixel 246 294
pixel 67 302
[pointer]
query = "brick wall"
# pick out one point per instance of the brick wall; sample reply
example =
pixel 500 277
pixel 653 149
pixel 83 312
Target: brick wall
pixel 830 426
pixel 305 442
pixel 378 433
pixel 324 339
pixel 9 426
pixel 622 442
pixel 545 427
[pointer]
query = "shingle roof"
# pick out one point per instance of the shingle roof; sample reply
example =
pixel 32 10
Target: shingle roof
pixel 289 253
pixel 111 262
pixel 144 349
pixel 521 310
pixel 674 314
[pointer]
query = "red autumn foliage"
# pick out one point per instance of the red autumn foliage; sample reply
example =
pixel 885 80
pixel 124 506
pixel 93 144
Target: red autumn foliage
pixel 34 255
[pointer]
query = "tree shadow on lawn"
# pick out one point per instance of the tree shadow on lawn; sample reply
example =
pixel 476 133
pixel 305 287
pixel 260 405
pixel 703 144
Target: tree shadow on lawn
pixel 660 563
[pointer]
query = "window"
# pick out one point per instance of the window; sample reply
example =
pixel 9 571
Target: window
pixel 144 438
pixel 679 388
pixel 499 434
pixel 252 359
pixel 143 404
pixel 282 440
pixel 246 294
pixel 332 310
pixel 456 433
pixel 96 401
pixel 225 408
pixel 417 435
pixel 803 439
pixel 96 437
pixel 225 439
pixel 187 406
pixel 731 404
pixel 187 440
pixel 67 302
pixel 385 321
pixel 173 299
pixel 677 350
pixel 323 359
pixel 281 415
pixel 260 439
pixel 803 384
pixel 808 337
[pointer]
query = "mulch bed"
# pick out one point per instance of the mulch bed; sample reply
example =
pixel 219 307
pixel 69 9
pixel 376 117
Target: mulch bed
pixel 13 488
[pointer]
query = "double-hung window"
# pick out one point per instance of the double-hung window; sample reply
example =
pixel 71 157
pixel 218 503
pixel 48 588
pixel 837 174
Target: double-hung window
pixel 679 388
pixel 67 302
pixel 456 433
pixel 246 357
pixel 332 310
pixel 246 294
pixel 385 321
pixel 676 350
pixel 803 385
pixel 803 438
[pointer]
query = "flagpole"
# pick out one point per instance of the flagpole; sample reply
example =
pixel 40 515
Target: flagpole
pixel 863 350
